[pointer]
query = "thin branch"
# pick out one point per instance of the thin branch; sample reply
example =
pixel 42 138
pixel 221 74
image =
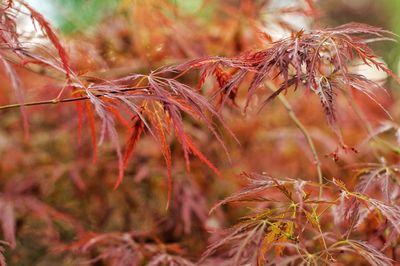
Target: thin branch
pixel 304 131
pixel 311 144
pixel 56 101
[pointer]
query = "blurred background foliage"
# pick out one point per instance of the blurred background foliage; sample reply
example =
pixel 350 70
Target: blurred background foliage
pixel 79 16
pixel 75 16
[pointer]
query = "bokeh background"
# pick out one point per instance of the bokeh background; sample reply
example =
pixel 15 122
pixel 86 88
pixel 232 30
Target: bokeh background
pixel 80 16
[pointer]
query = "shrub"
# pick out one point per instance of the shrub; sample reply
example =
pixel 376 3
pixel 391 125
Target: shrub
pixel 132 138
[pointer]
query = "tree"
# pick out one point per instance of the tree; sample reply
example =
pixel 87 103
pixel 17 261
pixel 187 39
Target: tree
pixel 130 138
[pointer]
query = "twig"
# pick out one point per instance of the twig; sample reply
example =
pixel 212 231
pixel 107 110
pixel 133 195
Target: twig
pixel 56 101
pixel 304 131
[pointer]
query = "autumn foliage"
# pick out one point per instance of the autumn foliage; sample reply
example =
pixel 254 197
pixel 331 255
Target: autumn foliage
pixel 197 138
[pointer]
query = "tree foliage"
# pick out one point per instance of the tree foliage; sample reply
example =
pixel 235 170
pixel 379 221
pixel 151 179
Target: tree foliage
pixel 130 139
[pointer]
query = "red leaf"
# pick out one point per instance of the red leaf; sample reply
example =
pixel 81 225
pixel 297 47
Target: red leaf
pixel 45 25
pixel 79 109
pixel 201 156
pixel 92 126
pixel 18 91
pixel 136 131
